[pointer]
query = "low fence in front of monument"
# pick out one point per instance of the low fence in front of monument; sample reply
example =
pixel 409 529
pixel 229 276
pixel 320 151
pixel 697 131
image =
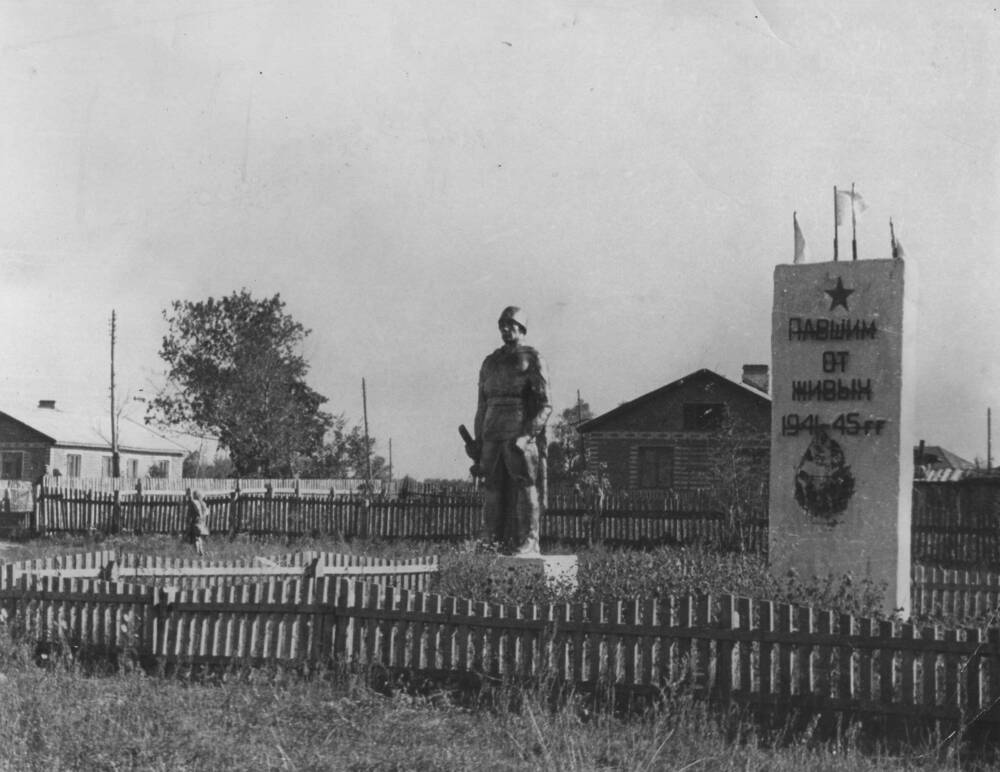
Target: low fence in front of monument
pixel 690 517
pixel 414 573
pixel 774 657
pixel 954 594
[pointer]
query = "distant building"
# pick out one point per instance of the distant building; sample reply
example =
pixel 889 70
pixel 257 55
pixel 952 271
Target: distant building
pixel 675 436
pixel 44 438
pixel 936 464
pixel 935 457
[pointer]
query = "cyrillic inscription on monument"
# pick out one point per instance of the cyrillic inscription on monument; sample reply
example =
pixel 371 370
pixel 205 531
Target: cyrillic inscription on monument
pixel 842 466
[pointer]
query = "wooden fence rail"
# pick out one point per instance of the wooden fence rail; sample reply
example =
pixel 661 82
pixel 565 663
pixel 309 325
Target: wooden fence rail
pixel 955 524
pixel 729 648
pixel 935 592
pixel 178 485
pixel 272 512
pixel 958 594
pixel 413 573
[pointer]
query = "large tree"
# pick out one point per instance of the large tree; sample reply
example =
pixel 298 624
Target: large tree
pixel 565 448
pixel 234 370
pixel 343 455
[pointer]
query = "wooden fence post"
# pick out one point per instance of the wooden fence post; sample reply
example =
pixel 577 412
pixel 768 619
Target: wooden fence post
pixel 234 512
pixel 109 570
pixel 270 521
pixel 724 665
pixel 294 508
pixel 37 502
pixel 159 636
pixel 138 508
pixel 6 501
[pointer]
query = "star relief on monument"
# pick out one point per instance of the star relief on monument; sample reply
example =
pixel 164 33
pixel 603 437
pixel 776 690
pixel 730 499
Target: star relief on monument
pixel 838 295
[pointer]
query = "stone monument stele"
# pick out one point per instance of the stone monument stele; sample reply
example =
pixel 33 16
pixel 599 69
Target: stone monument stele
pixel 842 435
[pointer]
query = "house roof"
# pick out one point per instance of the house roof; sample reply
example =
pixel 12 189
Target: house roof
pixel 936 457
pixel 704 373
pixel 91 431
pixel 946 475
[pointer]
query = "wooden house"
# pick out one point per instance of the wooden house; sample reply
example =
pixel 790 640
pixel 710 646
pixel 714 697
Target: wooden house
pixel 678 436
pixel 46 439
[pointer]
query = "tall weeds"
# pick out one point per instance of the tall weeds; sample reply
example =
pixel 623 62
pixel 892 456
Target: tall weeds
pixel 620 574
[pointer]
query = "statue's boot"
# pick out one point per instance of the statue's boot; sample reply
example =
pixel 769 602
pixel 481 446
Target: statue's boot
pixel 526 525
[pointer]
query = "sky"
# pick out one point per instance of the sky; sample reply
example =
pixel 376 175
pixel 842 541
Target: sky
pixel 399 172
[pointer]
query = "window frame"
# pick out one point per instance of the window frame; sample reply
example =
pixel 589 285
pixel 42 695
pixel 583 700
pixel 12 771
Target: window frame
pixel 70 459
pixel 20 464
pixel 704 416
pixel 651 457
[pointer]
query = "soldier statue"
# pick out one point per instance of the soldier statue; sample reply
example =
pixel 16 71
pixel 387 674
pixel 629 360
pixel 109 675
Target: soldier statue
pixel 509 442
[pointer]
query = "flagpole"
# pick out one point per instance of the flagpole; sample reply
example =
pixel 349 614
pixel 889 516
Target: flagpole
pixel 836 223
pixel 892 239
pixel 854 227
pixel 795 230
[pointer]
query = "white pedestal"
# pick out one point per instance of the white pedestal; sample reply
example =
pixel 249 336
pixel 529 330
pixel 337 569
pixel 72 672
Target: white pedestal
pixel 557 570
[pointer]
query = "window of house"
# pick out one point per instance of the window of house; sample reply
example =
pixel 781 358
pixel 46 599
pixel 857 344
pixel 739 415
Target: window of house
pixel 703 416
pixel 656 467
pixel 107 469
pixel 11 465
pixel 73 463
pixel 133 467
pixel 754 459
pixel 160 469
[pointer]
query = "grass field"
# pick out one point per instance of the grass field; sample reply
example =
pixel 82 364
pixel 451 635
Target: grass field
pixel 59 717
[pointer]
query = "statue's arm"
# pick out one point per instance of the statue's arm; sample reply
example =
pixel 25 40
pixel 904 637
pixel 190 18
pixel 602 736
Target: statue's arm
pixel 540 388
pixel 477 427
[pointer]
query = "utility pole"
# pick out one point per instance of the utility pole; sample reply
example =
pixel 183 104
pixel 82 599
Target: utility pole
pixel 854 226
pixel 390 461
pixel 368 447
pixel 836 223
pixel 115 459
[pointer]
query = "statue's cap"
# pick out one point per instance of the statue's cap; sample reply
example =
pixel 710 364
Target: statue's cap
pixel 514 314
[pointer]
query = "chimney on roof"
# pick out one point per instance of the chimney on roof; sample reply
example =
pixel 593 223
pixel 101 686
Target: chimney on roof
pixel 756 376
pixel 49 404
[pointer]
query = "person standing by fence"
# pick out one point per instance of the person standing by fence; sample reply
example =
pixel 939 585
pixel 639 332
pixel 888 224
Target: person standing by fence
pixel 197 512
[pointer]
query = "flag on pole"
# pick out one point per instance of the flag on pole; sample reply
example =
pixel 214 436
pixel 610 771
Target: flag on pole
pixel 800 242
pixel 897 251
pixel 846 201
